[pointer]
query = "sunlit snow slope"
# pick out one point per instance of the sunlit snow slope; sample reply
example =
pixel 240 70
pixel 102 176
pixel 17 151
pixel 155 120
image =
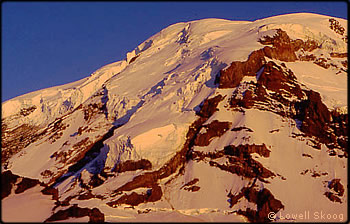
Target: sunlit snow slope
pixel 208 120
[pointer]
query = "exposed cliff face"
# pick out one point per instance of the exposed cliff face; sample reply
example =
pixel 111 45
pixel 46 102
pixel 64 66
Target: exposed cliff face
pixel 283 49
pixel 232 76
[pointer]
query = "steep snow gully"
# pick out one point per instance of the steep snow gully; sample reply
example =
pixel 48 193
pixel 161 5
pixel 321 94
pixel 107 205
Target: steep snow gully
pixel 209 120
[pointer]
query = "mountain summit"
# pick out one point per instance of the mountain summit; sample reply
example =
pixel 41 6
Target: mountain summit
pixel 208 120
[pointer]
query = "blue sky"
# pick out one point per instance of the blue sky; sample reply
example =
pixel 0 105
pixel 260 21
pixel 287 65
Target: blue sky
pixel 52 43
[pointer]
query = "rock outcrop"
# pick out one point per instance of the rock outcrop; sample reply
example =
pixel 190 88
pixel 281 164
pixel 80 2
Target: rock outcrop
pixel 239 160
pixel 264 200
pixel 17 184
pixel 95 215
pixel 214 129
pixel 130 165
pixel 336 191
pixel 14 140
pixel 153 194
pixel 233 75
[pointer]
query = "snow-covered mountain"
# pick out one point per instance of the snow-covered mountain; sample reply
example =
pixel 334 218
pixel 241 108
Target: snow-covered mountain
pixel 208 120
